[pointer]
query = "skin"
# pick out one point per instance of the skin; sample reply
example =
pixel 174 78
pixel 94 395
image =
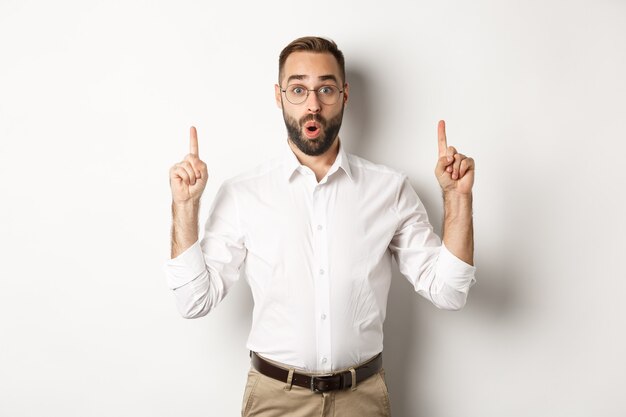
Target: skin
pixel 455 174
pixel 311 68
pixel 188 179
pixel 454 171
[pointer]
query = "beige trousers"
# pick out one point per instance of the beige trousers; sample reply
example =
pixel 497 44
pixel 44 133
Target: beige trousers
pixel 268 397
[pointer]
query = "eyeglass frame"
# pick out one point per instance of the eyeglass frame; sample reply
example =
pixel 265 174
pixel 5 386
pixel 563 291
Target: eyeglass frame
pixel 308 91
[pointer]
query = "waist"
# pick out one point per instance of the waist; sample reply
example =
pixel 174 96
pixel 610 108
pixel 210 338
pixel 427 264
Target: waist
pixel 319 382
pixel 313 358
pixel 312 351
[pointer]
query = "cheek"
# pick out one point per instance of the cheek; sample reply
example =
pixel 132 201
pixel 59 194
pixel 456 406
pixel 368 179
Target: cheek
pixel 332 113
pixel 296 116
pixel 292 117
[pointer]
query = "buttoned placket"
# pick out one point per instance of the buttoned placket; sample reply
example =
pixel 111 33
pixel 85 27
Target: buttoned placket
pixel 322 274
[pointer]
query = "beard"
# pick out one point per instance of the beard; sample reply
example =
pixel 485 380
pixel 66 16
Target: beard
pixel 319 145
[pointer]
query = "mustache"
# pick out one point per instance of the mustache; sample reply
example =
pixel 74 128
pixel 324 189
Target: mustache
pixel 313 118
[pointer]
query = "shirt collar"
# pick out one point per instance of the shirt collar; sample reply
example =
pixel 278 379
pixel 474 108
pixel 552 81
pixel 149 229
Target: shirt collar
pixel 291 163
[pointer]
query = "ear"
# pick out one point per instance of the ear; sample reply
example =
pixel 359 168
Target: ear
pixel 278 96
pixel 346 93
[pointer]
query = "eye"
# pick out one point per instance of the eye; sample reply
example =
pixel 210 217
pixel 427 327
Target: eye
pixel 298 90
pixel 326 90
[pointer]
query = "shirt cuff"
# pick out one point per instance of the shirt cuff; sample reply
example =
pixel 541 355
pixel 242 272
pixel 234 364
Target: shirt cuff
pixel 186 267
pixel 460 274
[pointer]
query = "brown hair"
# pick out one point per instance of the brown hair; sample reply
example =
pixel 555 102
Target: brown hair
pixel 312 44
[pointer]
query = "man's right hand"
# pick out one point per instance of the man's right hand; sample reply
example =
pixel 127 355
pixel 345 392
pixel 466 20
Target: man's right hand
pixel 189 177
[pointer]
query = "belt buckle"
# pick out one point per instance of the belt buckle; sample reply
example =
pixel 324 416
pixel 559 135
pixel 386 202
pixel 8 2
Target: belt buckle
pixel 324 377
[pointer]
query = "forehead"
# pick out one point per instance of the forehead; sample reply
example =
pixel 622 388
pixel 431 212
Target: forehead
pixel 311 64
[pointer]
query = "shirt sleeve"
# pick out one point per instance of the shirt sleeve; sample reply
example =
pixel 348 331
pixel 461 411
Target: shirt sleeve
pixel 436 273
pixel 202 275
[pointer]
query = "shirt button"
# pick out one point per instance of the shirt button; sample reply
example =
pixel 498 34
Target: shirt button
pixel 319 227
pixel 323 316
pixel 323 360
pixel 321 272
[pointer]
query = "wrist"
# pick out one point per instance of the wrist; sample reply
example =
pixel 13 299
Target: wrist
pixel 455 195
pixel 186 205
pixel 185 212
pixel 457 206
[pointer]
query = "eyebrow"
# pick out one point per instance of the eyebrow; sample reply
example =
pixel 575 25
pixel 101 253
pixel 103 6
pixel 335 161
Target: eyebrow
pixel 304 77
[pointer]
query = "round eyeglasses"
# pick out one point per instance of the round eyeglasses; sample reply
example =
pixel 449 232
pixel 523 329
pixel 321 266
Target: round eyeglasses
pixel 297 94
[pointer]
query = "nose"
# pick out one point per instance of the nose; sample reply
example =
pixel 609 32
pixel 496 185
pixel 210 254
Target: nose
pixel 313 104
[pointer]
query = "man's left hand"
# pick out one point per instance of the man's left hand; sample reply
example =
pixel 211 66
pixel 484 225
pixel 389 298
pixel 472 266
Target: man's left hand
pixel 454 171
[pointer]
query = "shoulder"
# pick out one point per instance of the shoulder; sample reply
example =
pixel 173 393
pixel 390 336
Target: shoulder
pixel 368 170
pixel 261 172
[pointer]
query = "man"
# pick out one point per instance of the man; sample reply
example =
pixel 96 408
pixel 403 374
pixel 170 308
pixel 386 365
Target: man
pixel 315 230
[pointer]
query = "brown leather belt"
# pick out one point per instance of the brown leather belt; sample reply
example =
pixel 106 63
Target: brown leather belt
pixel 319 383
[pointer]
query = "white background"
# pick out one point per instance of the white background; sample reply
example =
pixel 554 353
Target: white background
pixel 96 99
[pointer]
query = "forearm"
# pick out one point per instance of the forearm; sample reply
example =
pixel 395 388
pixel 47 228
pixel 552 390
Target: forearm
pixel 458 227
pixel 184 226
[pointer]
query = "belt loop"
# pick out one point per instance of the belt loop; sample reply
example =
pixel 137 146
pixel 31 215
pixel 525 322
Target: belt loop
pixel 289 383
pixel 353 372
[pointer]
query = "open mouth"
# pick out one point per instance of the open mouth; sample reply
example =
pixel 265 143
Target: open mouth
pixel 312 129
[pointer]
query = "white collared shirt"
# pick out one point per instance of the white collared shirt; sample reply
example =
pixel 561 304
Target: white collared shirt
pixel 317 257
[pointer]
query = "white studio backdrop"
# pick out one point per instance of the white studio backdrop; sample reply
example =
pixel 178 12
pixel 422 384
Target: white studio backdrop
pixel 96 100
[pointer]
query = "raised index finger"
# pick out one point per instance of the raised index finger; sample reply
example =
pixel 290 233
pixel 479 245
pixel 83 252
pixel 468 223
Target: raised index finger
pixel 442 141
pixel 193 141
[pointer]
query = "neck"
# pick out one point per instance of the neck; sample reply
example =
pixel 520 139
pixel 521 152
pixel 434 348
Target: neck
pixel 319 164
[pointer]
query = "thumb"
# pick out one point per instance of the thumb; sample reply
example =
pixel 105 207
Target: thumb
pixel 442 163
